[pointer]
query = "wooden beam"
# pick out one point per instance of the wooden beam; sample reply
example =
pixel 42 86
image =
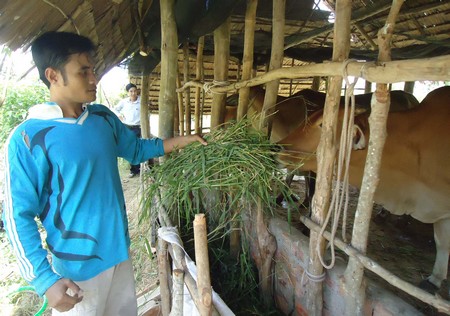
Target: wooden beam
pixel 202 263
pixel 433 69
pixel 198 76
pixel 249 39
pixel 354 280
pixel 143 50
pixel 169 69
pixel 187 92
pixel 221 60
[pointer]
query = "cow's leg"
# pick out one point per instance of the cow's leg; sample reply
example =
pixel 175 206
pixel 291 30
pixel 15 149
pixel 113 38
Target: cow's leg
pixel 442 239
pixel 310 189
pixel 289 178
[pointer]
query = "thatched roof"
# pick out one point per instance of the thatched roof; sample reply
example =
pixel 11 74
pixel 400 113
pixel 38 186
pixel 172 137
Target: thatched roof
pixel 121 27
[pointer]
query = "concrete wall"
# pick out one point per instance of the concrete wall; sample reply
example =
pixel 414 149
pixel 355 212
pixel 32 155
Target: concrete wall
pixel 290 258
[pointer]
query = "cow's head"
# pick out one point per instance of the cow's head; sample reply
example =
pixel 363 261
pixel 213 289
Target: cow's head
pixel 300 146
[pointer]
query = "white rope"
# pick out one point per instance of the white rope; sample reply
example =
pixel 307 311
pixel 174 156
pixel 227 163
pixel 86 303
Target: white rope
pixel 340 197
pixel 311 277
pixel 210 85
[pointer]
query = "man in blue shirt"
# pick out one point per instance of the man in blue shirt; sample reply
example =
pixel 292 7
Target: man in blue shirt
pixel 61 167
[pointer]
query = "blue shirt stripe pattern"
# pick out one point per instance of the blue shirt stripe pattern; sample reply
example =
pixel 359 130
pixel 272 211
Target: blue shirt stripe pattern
pixel 64 172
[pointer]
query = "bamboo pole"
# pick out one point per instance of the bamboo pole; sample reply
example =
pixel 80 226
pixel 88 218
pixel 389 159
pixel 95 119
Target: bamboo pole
pixel 326 155
pixel 179 110
pixel 276 61
pixel 267 246
pixel 367 87
pixel 198 90
pixel 354 281
pixel 163 269
pixel 169 71
pixel 235 234
pixel 441 304
pixel 247 66
pixel 291 82
pixel 409 87
pixel 145 122
pixel 143 50
pixel 178 255
pixel 221 57
pixel 202 262
pixel 178 292
pixel 434 69
pixel 187 92
pixel 315 85
pixel 238 70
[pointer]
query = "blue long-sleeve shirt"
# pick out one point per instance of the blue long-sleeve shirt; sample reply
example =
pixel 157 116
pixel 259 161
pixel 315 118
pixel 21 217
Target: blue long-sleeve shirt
pixel 64 172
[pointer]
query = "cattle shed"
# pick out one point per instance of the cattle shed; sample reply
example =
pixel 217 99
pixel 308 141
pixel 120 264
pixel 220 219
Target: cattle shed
pixel 188 56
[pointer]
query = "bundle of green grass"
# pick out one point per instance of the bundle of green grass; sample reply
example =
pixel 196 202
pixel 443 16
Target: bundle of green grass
pixel 238 167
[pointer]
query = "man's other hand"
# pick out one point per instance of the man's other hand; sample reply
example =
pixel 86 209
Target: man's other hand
pixel 59 299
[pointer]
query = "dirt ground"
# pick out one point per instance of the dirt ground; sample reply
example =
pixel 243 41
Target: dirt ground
pixel 144 261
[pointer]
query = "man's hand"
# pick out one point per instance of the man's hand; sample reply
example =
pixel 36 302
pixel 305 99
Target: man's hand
pixel 59 299
pixel 179 142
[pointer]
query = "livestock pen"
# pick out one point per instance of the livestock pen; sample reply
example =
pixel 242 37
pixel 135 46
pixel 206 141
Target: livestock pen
pixel 230 46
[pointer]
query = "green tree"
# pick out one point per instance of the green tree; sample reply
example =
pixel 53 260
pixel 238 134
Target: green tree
pixel 18 100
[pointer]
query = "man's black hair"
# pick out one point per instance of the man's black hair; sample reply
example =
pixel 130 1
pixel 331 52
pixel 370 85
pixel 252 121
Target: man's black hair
pixel 53 49
pixel 129 86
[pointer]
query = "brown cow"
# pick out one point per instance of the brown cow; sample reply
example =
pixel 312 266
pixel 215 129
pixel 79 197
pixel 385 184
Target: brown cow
pixel 291 111
pixel 415 167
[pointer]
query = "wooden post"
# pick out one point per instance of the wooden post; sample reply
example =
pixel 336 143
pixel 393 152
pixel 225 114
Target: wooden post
pixel 221 56
pixel 326 154
pixel 199 77
pixel 267 246
pixel 235 234
pixel 238 70
pixel 315 85
pixel 202 262
pixel 145 113
pixel 355 285
pixel 368 87
pixel 163 269
pixel 145 118
pixel 187 92
pixel 178 292
pixel 409 86
pixel 247 67
pixel 276 60
pixel 179 109
pixel 178 256
pixel 169 69
pixel 291 82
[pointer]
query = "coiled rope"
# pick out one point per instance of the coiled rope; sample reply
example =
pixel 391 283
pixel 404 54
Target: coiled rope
pixel 340 196
pixel 31 289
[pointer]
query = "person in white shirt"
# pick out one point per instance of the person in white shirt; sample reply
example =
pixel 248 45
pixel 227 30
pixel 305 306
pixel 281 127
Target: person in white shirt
pixel 129 110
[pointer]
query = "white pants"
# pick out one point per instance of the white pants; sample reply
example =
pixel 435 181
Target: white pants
pixel 111 293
